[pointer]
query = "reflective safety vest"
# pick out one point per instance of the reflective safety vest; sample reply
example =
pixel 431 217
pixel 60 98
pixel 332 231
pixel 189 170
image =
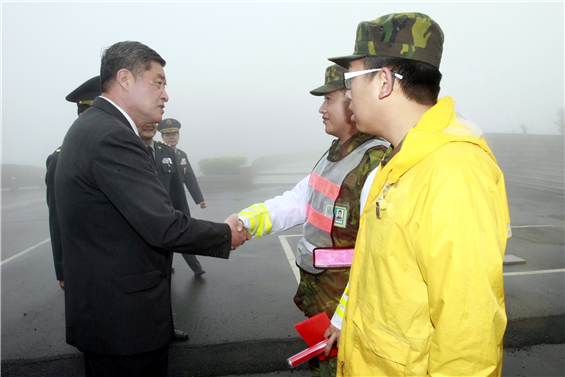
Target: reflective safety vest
pixel 324 209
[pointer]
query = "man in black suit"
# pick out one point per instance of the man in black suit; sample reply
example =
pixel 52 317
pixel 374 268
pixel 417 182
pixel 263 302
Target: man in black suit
pixel 83 97
pixel 118 226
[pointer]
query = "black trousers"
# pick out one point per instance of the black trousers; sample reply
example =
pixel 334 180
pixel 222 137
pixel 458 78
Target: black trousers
pixel 147 364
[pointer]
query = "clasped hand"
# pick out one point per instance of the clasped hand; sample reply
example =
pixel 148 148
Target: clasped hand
pixel 238 233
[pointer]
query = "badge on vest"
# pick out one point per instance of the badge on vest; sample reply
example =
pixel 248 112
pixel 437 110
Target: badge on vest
pixel 167 161
pixel 183 161
pixel 340 215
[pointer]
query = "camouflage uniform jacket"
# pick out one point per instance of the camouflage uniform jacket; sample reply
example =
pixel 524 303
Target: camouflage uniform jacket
pixel 291 209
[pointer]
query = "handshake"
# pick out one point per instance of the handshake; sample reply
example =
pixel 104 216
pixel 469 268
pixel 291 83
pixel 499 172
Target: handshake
pixel 238 233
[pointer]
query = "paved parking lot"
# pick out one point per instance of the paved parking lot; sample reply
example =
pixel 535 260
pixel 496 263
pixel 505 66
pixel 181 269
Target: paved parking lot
pixel 240 314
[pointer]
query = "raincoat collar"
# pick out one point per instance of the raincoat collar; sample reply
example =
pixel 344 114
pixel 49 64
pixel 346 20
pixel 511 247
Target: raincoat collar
pixel 438 126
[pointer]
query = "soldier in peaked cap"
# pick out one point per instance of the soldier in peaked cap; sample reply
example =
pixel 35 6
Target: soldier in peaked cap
pixel 330 217
pixel 85 94
pixel 169 129
pixel 170 176
pixel 426 291
pixel 83 97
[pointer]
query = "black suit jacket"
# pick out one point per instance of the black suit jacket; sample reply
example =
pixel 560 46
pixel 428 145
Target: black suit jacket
pixel 189 177
pixel 117 226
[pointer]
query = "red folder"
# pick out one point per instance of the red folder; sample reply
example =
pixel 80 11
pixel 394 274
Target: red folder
pixel 312 331
pixel 333 257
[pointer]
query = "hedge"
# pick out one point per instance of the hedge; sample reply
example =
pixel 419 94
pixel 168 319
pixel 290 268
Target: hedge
pixel 221 165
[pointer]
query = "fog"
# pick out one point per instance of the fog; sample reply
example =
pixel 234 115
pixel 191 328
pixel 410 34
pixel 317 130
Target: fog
pixel 239 73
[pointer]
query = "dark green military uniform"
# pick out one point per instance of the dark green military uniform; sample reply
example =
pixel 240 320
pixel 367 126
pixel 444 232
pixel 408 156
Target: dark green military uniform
pixel 54 230
pixel 83 97
pixel 170 175
pixel 189 179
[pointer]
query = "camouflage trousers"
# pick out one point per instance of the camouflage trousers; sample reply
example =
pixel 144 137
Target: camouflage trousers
pixel 323 368
pixel 317 294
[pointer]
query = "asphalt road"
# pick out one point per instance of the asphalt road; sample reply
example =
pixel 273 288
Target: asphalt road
pixel 240 314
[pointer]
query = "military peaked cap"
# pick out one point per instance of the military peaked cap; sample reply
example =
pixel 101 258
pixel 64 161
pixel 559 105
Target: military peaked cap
pixel 85 93
pixel 168 125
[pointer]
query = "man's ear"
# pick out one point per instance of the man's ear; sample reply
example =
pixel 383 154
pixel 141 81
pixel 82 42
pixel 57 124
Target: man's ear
pixel 125 78
pixel 386 82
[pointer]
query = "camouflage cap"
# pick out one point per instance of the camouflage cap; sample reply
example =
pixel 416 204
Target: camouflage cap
pixel 168 125
pixel 400 35
pixel 333 81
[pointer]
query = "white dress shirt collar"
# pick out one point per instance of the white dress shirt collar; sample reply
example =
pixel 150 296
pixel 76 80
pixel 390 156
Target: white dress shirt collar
pixel 132 124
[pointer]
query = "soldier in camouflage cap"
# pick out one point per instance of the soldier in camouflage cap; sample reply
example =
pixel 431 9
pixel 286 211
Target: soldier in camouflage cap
pixel 403 35
pixel 426 289
pixel 333 81
pixel 333 218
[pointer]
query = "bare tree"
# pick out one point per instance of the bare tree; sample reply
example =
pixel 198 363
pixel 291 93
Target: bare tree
pixel 524 128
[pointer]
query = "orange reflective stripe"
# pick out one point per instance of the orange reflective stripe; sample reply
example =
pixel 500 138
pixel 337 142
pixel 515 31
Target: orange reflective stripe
pixel 318 220
pixel 321 184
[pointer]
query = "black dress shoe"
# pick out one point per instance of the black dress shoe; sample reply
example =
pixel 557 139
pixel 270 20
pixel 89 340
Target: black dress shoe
pixel 199 273
pixel 180 335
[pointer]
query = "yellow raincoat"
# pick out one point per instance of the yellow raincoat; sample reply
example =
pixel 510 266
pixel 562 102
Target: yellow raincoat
pixel 426 292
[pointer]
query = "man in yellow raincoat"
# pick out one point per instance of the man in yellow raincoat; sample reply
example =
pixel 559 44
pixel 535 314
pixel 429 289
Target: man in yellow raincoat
pixel 426 291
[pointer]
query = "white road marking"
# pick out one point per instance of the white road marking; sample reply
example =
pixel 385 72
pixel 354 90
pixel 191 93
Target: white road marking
pixel 21 204
pixel 537 226
pixel 534 272
pixel 290 255
pixel 24 252
pixel 292 260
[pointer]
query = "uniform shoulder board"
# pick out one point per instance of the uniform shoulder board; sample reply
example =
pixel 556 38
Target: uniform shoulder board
pixel 58 150
pixel 162 142
pixel 180 150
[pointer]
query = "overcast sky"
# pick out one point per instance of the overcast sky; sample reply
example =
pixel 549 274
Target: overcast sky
pixel 239 73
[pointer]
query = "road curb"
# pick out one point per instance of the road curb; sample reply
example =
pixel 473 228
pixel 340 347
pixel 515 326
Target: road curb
pixel 264 356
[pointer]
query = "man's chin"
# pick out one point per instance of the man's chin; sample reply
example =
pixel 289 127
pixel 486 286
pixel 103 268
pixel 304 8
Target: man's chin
pixel 361 128
pixel 158 117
